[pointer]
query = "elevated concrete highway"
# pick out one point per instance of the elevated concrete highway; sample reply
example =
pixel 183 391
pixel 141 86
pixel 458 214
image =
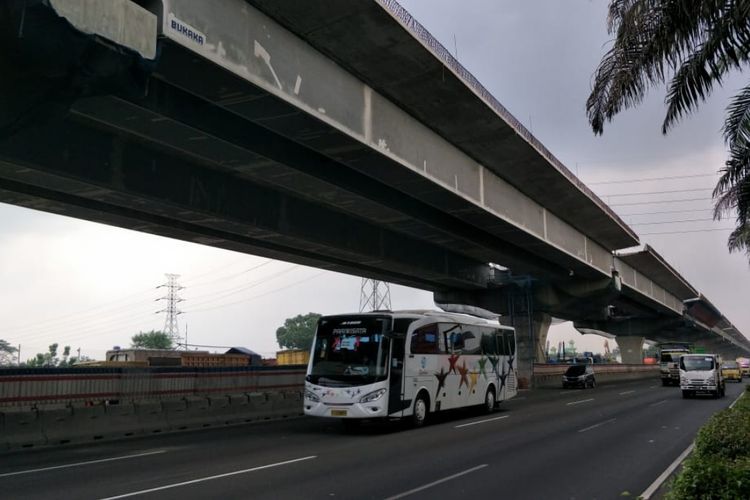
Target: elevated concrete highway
pixel 335 134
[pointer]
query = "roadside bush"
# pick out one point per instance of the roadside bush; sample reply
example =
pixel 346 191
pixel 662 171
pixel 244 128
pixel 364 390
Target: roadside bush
pixel 711 477
pixel 726 435
pixel 719 467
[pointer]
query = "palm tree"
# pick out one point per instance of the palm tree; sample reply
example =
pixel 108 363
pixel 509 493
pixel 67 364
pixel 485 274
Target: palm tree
pixel 691 45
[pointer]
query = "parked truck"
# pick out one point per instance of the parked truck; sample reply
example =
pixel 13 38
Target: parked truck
pixel 669 357
pixel 701 373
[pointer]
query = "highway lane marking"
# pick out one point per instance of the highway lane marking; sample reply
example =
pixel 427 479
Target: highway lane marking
pixel 435 483
pixel 481 421
pixel 78 464
pixel 597 425
pixel 626 392
pixel 735 401
pixel 579 402
pixel 658 403
pixel 667 472
pixel 209 478
pixel 652 387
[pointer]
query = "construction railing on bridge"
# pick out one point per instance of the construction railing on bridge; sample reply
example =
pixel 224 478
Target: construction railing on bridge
pixel 89 386
pixel 551 375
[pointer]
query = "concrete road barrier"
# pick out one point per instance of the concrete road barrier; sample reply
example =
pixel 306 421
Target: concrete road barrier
pixel 150 418
pixel 76 424
pixel 21 429
pixel 58 425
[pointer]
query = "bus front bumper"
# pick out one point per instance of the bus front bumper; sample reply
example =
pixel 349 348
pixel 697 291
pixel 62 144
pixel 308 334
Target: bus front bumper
pixel 374 409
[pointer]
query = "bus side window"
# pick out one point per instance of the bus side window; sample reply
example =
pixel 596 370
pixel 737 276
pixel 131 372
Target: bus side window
pixel 487 343
pixel 510 341
pixel 454 337
pixel 471 340
pixel 425 340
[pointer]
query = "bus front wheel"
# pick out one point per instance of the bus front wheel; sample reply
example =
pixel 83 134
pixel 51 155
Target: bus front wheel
pixel 421 408
pixel 489 400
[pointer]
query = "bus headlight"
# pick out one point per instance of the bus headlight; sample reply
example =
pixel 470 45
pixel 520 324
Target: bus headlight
pixel 373 396
pixel 312 396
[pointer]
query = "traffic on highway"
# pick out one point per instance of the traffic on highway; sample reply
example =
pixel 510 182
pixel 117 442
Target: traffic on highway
pixel 628 432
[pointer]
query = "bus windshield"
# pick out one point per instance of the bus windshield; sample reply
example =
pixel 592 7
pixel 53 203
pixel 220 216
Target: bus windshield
pixel 350 351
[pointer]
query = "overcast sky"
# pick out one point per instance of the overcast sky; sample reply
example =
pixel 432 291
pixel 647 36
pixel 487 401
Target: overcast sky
pixel 93 286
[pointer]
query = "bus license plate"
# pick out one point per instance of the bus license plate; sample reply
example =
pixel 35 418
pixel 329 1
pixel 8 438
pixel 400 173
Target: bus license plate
pixel 338 413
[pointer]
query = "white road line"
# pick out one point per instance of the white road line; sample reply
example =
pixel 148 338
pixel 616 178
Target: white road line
pixel 626 392
pixel 664 475
pixel 738 398
pixel 658 403
pixel 579 402
pixel 598 425
pixel 78 464
pixel 652 387
pixel 209 478
pixel 435 483
pixel 481 421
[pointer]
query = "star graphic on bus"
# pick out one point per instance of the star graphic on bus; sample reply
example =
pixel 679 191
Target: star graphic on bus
pixel 482 363
pixel 493 362
pixel 452 359
pixel 463 371
pixel 473 376
pixel 441 380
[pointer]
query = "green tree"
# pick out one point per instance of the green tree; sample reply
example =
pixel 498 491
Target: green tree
pixel 691 46
pixel 153 339
pixel 50 359
pixel 7 353
pixel 298 332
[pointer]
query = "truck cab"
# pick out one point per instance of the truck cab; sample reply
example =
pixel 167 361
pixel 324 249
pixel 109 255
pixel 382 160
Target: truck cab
pixel 701 374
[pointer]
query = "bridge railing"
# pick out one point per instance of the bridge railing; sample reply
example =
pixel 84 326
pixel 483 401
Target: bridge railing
pixel 550 375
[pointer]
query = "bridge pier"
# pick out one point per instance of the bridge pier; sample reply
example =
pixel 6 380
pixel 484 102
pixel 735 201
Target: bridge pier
pixel 531 338
pixel 631 349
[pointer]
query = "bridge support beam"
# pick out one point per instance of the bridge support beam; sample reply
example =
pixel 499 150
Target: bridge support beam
pixel 631 349
pixel 531 339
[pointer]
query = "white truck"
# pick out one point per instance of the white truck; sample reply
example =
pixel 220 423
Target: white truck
pixel 669 356
pixel 701 373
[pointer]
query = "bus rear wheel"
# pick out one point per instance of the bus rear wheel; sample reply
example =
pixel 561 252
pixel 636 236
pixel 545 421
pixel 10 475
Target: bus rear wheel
pixel 489 400
pixel 421 408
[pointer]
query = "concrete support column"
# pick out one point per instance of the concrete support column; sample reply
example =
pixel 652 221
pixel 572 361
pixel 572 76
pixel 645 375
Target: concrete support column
pixel 531 339
pixel 631 349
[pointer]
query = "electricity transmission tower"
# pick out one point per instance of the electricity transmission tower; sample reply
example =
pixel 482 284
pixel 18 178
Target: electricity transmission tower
pixel 171 328
pixel 374 296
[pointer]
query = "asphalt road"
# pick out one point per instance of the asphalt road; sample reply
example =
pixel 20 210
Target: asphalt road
pixel 549 443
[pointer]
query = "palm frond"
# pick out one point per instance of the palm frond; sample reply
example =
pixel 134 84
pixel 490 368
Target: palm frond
pixel 737 123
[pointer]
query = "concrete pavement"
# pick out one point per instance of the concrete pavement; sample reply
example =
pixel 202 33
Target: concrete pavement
pixel 549 443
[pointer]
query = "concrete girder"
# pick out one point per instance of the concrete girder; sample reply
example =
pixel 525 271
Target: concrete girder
pixel 575 299
pixel 99 170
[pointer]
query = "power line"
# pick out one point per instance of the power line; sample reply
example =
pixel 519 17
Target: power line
pixel 669 212
pixel 260 295
pixel 647 179
pixel 690 231
pixel 655 192
pixel 669 222
pixel 660 201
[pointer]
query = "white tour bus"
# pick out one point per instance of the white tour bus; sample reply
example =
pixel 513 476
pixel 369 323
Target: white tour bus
pixel 408 364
